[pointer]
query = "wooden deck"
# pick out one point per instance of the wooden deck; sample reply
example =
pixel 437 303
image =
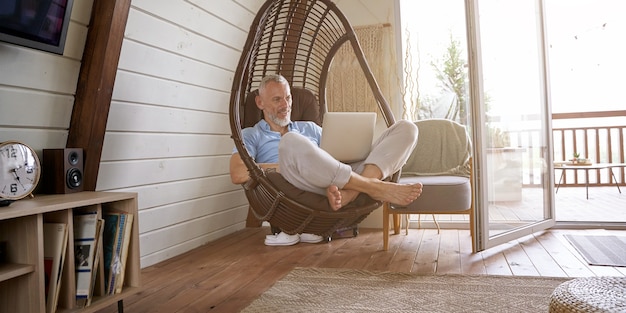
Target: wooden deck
pixel 605 205
pixel 228 274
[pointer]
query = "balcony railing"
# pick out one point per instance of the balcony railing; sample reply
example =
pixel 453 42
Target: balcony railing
pixel 599 136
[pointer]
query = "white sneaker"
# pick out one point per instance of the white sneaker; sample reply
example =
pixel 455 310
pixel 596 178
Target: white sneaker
pixel 282 239
pixel 310 238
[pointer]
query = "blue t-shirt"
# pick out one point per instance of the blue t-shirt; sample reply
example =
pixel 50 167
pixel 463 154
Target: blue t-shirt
pixel 262 142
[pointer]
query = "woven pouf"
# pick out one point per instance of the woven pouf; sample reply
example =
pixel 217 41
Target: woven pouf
pixel 590 294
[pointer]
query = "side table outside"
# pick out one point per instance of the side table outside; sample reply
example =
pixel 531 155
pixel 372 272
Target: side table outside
pixel 586 168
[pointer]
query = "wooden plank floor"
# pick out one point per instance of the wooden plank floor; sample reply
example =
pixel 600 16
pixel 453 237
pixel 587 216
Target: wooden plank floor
pixel 228 274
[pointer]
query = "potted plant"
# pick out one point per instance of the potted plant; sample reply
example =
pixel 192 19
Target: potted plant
pixel 578 160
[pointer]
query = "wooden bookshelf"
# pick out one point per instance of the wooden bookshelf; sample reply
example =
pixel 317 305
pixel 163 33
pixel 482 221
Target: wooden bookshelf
pixel 22 281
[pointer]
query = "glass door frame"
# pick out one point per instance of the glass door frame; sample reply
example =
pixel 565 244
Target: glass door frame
pixel 482 239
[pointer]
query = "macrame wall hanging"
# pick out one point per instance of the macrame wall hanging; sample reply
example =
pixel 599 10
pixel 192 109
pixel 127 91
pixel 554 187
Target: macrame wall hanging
pixel 348 90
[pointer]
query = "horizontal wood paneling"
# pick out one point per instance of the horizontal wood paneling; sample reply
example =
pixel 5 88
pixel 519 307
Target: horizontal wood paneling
pixel 32 108
pixel 149 118
pixel 251 5
pixel 189 20
pixel 149 61
pixel 36 138
pixel 76 38
pixel 124 174
pixel 180 212
pixel 37 88
pixel 232 13
pixel 157 145
pixel 178 41
pixel 201 198
pixel 133 87
pixel 168 132
pixel 189 243
pixel 81 11
pixel 154 195
pixel 176 234
pixel 33 69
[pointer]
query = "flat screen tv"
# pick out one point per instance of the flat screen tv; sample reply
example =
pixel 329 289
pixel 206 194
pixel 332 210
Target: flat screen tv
pixel 38 24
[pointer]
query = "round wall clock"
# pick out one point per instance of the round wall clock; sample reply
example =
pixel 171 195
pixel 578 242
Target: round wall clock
pixel 20 170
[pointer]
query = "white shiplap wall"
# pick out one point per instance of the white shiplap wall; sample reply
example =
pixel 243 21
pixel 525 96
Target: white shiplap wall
pixel 37 88
pixel 168 133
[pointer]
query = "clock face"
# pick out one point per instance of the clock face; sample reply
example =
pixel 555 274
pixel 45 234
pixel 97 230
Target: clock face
pixel 19 170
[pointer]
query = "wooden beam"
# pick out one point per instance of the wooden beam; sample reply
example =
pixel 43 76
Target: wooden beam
pixel 95 83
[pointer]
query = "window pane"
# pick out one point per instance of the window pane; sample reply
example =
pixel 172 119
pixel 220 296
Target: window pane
pixel 435 59
pixel 587 48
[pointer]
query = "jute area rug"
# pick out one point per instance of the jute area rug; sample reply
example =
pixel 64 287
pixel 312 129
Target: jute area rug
pixel 345 290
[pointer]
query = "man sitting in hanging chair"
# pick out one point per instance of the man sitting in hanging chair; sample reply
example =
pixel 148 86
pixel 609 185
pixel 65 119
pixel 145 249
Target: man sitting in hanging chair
pixel 292 148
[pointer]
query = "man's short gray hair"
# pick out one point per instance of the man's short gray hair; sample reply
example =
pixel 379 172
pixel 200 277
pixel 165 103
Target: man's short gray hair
pixel 276 78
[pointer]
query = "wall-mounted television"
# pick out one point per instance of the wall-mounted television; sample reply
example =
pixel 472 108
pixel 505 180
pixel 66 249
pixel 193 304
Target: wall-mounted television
pixel 38 24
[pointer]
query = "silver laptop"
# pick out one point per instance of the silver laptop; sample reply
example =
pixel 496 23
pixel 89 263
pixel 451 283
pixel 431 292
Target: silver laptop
pixel 348 136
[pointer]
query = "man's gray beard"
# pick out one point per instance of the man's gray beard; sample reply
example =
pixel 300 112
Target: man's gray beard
pixel 282 122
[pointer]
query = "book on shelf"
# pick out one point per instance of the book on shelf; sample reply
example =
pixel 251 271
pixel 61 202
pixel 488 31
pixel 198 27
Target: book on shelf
pixel 108 240
pixel 54 248
pixel 116 239
pixel 119 282
pixel 85 237
pixel 96 262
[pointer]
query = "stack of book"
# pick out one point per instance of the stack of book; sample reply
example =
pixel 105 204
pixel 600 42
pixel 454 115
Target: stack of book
pixel 100 248
pixel 87 238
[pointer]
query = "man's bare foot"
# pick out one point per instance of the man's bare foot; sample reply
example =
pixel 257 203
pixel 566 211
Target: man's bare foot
pixel 401 194
pixel 338 198
pixel 334 197
pixel 397 193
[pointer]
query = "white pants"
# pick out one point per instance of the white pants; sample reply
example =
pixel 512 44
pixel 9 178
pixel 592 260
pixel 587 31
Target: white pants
pixel 310 168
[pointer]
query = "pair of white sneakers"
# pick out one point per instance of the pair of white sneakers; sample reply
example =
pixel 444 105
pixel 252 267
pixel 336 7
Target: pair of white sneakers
pixel 284 239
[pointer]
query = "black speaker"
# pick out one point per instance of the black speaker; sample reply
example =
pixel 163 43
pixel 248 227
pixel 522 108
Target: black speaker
pixel 62 170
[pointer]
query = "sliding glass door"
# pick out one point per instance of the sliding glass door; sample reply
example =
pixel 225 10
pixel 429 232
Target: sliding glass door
pixel 509 88
pixel 483 63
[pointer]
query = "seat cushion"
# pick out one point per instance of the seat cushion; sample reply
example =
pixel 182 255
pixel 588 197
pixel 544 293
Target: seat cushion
pixel 440 194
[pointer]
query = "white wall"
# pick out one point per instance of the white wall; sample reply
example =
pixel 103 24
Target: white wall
pixel 168 132
pixel 37 88
pixel 367 12
pixel 168 135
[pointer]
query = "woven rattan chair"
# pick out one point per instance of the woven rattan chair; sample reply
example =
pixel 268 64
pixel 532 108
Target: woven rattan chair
pixel 297 39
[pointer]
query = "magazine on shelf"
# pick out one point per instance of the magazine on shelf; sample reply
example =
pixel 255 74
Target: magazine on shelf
pixel 116 238
pixel 55 246
pixel 85 233
pixel 123 252
pixel 97 268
